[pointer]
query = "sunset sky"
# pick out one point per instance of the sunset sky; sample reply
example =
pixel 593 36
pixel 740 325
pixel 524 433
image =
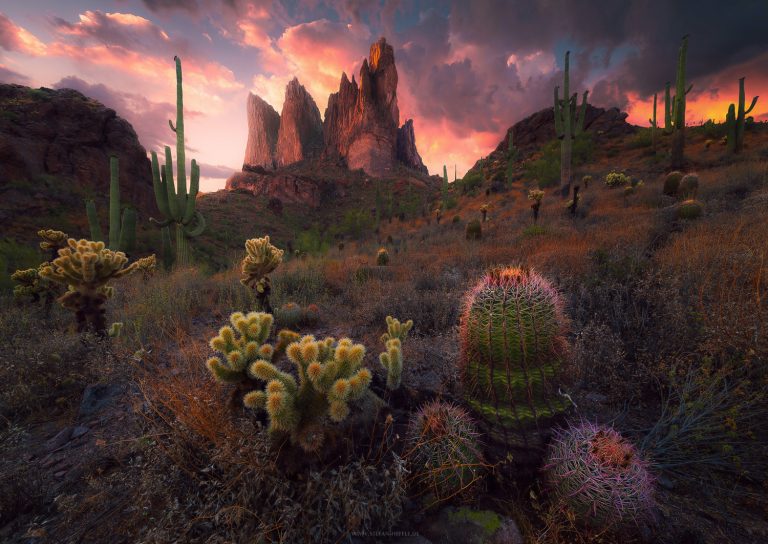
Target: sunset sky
pixel 467 69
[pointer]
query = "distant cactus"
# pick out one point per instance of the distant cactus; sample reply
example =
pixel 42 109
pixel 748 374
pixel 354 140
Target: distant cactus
pixel 53 241
pixel 330 377
pixel 382 257
pixel 240 345
pixel 311 314
pixel 569 123
pixel 672 183
pixel 536 195
pixel 122 233
pixel 176 206
pixel 484 212
pixel 735 122
pixel 689 209
pixel 86 268
pixel 586 180
pixel 261 259
pixel 617 179
pixel 474 230
pixel 512 346
pixel 599 476
pixel 392 358
pixel 678 108
pixel 290 315
pixel 30 284
pixel 653 123
pixel 443 451
pixel 689 186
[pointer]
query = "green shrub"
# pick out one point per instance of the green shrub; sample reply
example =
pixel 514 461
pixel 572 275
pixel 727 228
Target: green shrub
pixel 641 138
pixel 357 223
pixel 471 181
pixel 474 230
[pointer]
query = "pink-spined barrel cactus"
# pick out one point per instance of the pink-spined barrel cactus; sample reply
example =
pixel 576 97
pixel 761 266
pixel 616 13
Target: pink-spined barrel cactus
pixel 512 349
pixel 600 476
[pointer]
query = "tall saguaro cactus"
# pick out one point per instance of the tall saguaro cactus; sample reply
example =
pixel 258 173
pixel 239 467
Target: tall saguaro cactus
pixel 735 123
pixel 678 109
pixel 569 123
pixel 176 205
pixel 122 229
pixel 653 123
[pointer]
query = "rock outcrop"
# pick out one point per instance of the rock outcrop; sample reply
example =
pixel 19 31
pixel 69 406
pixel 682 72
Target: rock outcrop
pixel 360 127
pixel 263 127
pixel 54 151
pixel 406 148
pixel 301 130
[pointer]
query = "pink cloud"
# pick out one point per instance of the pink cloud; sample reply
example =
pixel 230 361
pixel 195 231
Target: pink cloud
pixel 16 38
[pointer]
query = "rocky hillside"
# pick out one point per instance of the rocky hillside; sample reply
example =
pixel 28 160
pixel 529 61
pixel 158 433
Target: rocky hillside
pixel 54 152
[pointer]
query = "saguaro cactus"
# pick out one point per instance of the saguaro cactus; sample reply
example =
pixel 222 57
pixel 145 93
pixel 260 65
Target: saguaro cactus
pixel 569 123
pixel 512 346
pixel 122 234
pixel 178 207
pixel 678 111
pixel 735 122
pixel 653 124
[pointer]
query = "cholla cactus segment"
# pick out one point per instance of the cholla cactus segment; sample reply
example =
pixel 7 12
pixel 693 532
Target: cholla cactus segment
pixel 392 360
pixel 261 259
pixel 240 345
pixel 147 266
pixel 599 476
pixel 382 257
pixel 512 345
pixel 330 377
pixel 53 240
pixel 536 195
pixel 617 179
pixel 30 284
pixel 443 452
pixel 86 268
pixel 395 329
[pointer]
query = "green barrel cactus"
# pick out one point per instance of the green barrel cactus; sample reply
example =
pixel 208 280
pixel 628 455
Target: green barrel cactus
pixel 689 186
pixel 512 349
pixel 672 183
pixel 689 209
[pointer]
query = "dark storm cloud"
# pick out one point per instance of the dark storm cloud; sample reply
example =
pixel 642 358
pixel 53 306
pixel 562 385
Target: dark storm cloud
pixel 166 5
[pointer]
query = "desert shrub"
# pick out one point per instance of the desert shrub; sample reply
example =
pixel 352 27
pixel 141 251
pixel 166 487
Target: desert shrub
pixel 641 138
pixel 312 242
pixel 303 283
pixel 15 256
pixel 546 169
pixel 617 179
pixel 432 312
pixel 357 223
pixel 710 129
pixel 599 357
pixel 736 181
pixel 474 230
pixel 443 452
pixel 471 182
pixel 382 257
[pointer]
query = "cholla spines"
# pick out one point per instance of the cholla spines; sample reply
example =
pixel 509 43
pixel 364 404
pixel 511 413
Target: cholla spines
pixel 240 345
pixel 617 179
pixel 689 186
pixel 599 475
pixel 443 451
pixel 330 377
pixel 53 241
pixel 30 284
pixel 147 266
pixel 261 259
pixel 392 358
pixel 382 257
pixel 512 346
pixel 86 268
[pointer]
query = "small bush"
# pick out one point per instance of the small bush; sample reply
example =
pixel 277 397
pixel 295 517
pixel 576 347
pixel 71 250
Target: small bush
pixel 471 181
pixel 617 179
pixel 474 230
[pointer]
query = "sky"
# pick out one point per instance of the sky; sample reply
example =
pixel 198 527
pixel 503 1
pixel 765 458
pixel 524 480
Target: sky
pixel 467 69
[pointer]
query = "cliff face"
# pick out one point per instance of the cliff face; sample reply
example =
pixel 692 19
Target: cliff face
pixel 54 151
pixel 360 129
pixel 263 127
pixel 301 130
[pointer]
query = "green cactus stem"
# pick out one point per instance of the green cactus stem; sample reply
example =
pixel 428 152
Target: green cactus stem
pixel 175 204
pixel 652 122
pixel 392 358
pixel 569 123
pixel 735 122
pixel 678 112
pixel 122 229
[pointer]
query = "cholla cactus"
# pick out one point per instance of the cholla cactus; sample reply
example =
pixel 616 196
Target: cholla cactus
pixel 330 377
pixel 484 211
pixel 512 347
pixel 392 358
pixel 30 284
pixel 443 452
pixel 261 259
pixel 617 179
pixel 240 346
pixel 53 241
pixel 87 268
pixel 382 257
pixel 147 266
pixel 599 476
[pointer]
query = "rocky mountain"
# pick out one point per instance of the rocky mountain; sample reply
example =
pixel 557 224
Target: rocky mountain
pixel 360 128
pixel 54 151
pixel 263 127
pixel 301 130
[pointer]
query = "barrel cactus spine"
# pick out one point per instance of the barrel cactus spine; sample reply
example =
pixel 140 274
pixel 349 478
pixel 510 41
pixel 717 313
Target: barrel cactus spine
pixel 176 206
pixel 599 476
pixel 512 348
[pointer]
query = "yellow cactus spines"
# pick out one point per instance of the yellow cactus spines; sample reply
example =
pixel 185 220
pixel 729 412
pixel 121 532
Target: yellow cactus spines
pixel 53 241
pixel 86 268
pixel 392 358
pixel 330 378
pixel 240 345
pixel 30 284
pixel 147 266
pixel 261 259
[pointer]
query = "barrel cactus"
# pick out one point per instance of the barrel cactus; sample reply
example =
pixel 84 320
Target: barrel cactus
pixel 689 209
pixel 672 183
pixel 443 452
pixel 290 315
pixel 382 257
pixel 512 347
pixel 689 186
pixel 474 230
pixel 599 476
